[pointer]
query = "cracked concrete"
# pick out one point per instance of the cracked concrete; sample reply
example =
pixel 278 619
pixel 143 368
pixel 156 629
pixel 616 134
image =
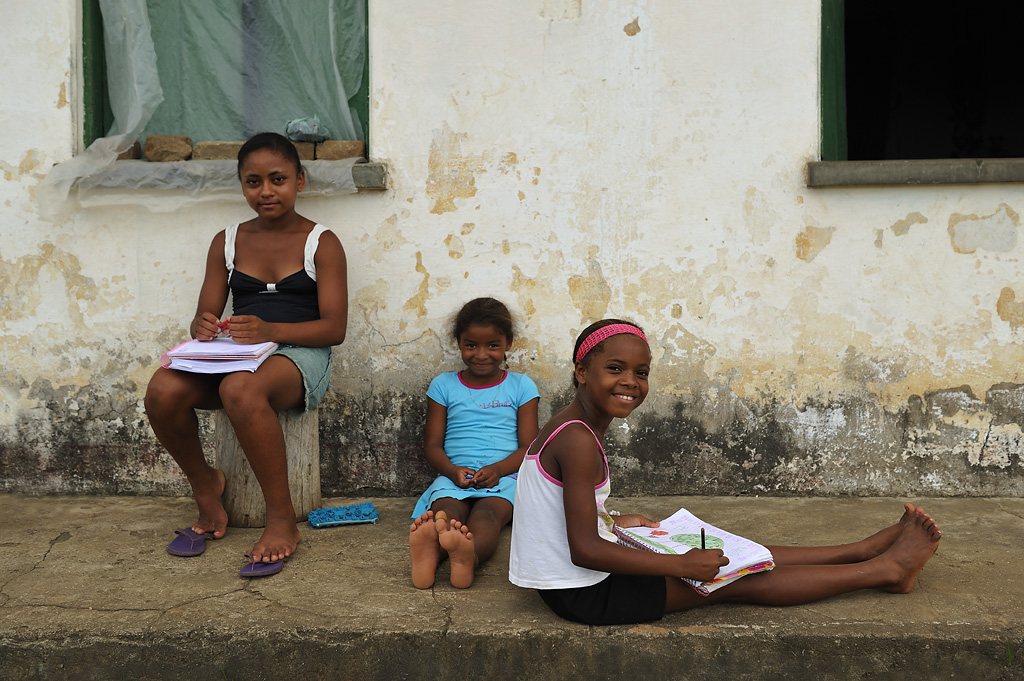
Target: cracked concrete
pixel 87 591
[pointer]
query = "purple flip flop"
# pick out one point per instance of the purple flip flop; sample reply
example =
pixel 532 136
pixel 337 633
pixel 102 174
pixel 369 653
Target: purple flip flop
pixel 188 543
pixel 254 569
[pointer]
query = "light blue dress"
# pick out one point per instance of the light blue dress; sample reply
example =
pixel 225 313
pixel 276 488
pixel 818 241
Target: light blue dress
pixel 482 428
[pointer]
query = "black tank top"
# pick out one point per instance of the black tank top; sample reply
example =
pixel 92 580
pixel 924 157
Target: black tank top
pixel 293 299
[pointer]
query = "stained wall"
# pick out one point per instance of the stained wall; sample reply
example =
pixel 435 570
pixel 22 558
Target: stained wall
pixel 577 160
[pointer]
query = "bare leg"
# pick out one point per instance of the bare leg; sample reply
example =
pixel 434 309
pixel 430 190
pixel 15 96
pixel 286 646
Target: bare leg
pixel 857 552
pixel 453 509
pixel 454 539
pixel 424 550
pixel 895 570
pixel 457 540
pixel 486 518
pixel 251 402
pixel 171 400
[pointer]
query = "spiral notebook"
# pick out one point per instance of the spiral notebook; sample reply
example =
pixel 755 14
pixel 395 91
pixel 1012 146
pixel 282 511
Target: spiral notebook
pixel 680 532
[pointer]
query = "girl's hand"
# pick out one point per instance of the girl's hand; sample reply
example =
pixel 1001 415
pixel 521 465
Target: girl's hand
pixel 207 327
pixel 249 329
pixel 485 477
pixel 701 564
pixel 462 476
pixel 635 520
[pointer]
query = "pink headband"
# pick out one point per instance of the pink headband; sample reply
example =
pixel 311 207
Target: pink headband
pixel 607 332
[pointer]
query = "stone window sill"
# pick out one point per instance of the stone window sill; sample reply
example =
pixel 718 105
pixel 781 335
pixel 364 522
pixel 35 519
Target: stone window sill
pixel 914 172
pixel 323 177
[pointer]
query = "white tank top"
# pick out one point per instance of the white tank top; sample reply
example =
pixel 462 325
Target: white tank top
pixel 540 548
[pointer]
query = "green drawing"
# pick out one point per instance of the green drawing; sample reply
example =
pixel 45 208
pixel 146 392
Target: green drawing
pixel 693 540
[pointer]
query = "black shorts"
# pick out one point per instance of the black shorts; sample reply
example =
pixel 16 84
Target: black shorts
pixel 617 599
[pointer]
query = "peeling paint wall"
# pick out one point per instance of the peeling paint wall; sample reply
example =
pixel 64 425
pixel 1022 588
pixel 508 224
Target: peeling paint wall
pixel 577 160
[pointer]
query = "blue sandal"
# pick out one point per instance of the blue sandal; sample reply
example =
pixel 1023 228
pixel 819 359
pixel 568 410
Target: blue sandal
pixel 260 569
pixel 189 543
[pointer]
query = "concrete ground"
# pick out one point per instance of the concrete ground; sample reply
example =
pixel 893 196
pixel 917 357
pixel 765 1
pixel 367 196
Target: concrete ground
pixel 87 591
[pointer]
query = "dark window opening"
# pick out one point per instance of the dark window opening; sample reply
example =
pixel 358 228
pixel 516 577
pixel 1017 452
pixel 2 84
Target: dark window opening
pixel 922 80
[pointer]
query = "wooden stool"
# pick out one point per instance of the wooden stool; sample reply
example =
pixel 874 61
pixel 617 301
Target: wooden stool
pixel 243 498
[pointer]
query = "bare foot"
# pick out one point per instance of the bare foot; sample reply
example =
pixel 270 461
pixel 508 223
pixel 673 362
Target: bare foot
pixel 912 549
pixel 278 541
pixel 457 540
pixel 424 550
pixel 212 516
pixel 878 543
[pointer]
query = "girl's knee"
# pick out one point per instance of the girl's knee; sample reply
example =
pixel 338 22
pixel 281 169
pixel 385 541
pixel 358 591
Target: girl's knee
pixel 153 401
pixel 455 509
pixel 230 389
pixel 239 390
pixel 492 514
pixel 161 394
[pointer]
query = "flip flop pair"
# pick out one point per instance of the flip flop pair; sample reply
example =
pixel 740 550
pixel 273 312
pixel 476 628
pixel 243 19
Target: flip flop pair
pixel 189 543
pixel 260 569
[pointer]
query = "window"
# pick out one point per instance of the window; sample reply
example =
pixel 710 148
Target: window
pixel 921 80
pixel 229 70
pixel 208 70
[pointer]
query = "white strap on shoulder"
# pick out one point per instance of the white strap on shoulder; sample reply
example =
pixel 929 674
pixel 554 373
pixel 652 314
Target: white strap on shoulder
pixel 229 248
pixel 312 241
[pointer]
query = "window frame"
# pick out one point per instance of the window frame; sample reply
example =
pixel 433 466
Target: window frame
pixel 833 81
pixel 97 116
pixel 833 169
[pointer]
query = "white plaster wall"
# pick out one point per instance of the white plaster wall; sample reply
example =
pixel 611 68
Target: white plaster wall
pixel 589 171
pixel 662 178
pixel 576 159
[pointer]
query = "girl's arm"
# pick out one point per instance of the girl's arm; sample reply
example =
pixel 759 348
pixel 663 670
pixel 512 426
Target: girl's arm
pixel 213 296
pixel 433 446
pixel 526 426
pixel 578 459
pixel 332 297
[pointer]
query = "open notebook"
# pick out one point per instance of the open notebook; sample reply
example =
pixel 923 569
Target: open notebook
pixel 218 356
pixel 680 532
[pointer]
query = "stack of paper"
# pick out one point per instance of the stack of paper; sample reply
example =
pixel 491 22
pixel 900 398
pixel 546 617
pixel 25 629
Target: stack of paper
pixel 218 356
pixel 682 531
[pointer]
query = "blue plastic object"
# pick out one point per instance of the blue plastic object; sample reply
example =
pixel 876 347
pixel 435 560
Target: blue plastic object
pixel 332 516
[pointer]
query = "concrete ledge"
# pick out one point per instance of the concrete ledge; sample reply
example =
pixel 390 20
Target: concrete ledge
pixel 938 171
pixel 87 591
pixel 370 175
pixel 324 177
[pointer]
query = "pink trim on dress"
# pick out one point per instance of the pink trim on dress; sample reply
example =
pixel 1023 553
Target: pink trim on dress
pixel 544 473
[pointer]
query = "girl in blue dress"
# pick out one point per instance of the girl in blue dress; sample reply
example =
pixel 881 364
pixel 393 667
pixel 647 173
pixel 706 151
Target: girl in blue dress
pixel 479 423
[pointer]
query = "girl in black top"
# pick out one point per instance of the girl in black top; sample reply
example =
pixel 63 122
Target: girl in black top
pixel 270 250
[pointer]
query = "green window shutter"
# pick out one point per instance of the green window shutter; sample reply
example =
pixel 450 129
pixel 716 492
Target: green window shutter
pixel 96 116
pixel 361 99
pixel 833 82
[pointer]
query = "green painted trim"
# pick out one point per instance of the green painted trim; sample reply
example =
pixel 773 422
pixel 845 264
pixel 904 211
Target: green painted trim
pixel 96 116
pixel 361 99
pixel 833 81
